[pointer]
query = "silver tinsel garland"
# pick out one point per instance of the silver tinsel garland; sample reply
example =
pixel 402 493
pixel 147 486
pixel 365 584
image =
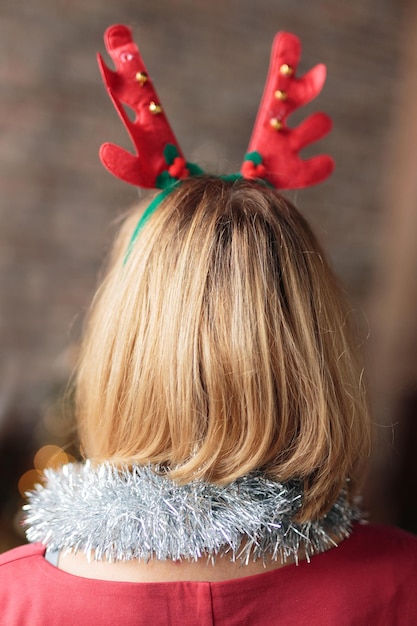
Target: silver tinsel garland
pixel 138 513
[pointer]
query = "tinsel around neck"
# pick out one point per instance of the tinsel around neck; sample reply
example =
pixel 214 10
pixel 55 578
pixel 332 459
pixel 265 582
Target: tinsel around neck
pixel 138 513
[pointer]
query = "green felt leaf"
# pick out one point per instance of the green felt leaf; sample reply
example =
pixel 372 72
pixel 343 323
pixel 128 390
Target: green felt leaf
pixel 164 180
pixel 170 153
pixel 255 157
pixel 195 170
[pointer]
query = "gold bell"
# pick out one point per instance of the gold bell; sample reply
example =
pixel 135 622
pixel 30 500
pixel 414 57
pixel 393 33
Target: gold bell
pixel 155 108
pixel 281 95
pixel 142 78
pixel 286 70
pixel 276 123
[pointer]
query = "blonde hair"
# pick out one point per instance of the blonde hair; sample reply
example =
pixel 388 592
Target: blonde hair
pixel 222 345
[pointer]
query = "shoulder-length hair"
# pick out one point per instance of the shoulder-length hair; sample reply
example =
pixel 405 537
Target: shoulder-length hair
pixel 222 345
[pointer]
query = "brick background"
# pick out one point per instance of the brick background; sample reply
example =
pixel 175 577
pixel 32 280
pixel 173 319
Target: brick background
pixel 209 61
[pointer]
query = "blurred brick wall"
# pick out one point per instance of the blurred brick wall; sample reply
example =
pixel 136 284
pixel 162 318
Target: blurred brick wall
pixel 209 62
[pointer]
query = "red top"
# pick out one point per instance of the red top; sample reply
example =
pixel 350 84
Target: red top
pixel 369 580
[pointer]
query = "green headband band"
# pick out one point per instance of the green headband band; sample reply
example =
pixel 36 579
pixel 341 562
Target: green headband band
pixel 172 184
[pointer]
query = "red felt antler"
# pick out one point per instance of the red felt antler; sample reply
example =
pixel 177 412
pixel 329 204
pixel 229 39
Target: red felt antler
pixel 159 159
pixel 273 148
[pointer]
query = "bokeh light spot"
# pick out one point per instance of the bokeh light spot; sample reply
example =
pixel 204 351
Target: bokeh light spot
pixel 28 480
pixel 50 456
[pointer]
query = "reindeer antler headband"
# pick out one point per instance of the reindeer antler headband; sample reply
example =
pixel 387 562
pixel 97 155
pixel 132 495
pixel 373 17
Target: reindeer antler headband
pixel 273 152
